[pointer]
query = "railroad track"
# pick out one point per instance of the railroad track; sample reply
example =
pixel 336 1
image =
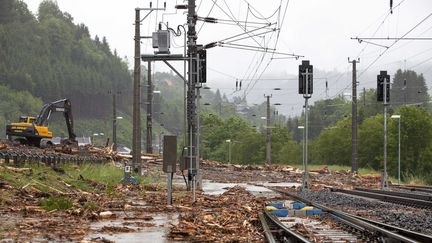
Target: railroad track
pixel 409 199
pixel 276 231
pixel 19 157
pixel 371 231
pixel 427 189
pixel 399 194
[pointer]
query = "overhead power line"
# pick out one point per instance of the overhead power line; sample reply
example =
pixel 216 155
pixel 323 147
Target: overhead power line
pixel 360 39
pixel 396 41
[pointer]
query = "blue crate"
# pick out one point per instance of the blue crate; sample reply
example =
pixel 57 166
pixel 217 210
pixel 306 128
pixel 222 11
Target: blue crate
pixel 298 205
pixel 280 212
pixel 278 205
pixel 313 212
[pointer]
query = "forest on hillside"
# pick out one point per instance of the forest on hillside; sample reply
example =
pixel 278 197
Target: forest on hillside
pixel 51 57
pixel 47 57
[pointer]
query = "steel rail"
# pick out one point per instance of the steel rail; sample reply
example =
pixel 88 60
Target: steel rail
pixel 282 231
pixel 378 229
pixel 267 232
pixel 415 186
pixel 415 189
pixel 398 194
pixel 410 234
pixel 388 198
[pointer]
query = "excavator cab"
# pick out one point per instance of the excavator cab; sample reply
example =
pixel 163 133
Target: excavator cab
pixel 27 119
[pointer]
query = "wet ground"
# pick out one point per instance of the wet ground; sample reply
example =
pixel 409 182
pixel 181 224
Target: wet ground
pixel 136 230
pixel 256 188
pixel 226 208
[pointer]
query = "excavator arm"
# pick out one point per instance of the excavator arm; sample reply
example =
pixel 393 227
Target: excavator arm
pixel 64 106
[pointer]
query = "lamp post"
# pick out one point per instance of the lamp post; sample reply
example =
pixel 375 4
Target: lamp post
pixel 398 117
pixel 149 135
pixel 229 150
pixel 116 118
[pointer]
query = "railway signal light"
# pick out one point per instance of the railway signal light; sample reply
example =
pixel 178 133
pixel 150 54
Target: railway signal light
pixel 305 74
pixel 202 65
pixel 381 78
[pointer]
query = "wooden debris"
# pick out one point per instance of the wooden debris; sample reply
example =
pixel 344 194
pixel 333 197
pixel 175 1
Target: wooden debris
pixel 231 216
pixel 3 146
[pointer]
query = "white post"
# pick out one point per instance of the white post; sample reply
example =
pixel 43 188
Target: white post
pixel 399 151
pixel 385 176
pixel 306 97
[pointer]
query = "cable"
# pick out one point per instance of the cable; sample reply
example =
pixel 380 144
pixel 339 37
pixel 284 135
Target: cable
pixel 238 24
pixel 422 62
pixel 208 14
pixel 276 42
pixel 264 18
pixel 387 14
pixel 382 53
pixel 220 72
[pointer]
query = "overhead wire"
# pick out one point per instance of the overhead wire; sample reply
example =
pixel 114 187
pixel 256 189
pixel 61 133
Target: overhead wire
pixel 263 18
pixel 276 42
pixel 229 16
pixel 208 14
pixel 396 41
pixel 387 14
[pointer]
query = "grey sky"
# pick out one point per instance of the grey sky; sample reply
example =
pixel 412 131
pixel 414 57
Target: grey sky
pixel 318 29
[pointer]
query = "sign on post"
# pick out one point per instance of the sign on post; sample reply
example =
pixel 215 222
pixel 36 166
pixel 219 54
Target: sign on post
pixel 169 162
pixel 169 153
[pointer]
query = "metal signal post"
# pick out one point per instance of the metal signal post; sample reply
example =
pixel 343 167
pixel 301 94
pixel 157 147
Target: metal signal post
pixel 383 89
pixel 306 88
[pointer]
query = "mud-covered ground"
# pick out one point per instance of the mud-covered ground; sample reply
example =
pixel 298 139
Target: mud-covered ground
pixel 105 213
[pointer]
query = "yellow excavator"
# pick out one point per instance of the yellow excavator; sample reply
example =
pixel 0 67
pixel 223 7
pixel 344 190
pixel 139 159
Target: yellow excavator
pixel 34 130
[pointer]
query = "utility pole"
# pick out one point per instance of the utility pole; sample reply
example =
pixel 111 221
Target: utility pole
pixel 149 140
pixel 191 94
pixel 136 131
pixel 136 117
pixel 268 138
pixel 354 120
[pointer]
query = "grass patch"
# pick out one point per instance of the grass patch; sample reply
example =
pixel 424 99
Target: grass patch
pixel 362 171
pixel 90 206
pixel 415 180
pixel 55 203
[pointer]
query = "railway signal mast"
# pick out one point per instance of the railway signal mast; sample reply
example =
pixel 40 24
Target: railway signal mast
pixel 383 94
pixel 306 89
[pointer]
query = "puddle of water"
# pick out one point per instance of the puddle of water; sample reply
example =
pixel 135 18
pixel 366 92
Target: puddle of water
pixel 281 184
pixel 217 188
pixel 154 230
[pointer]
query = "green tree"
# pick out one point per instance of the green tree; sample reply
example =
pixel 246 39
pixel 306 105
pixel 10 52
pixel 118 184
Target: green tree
pixel 416 141
pixel 370 141
pixel 408 88
pixel 333 146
